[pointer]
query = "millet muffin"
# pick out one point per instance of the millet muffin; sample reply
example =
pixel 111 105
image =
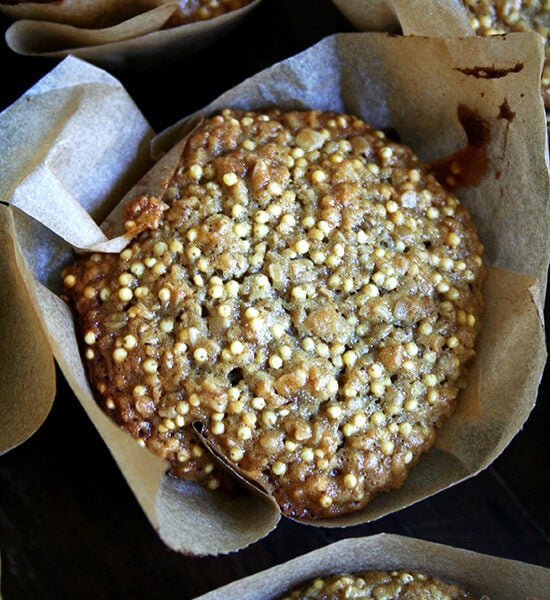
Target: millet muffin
pixel 302 299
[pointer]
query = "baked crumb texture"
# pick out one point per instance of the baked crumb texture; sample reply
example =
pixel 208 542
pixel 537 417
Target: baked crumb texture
pixel 494 17
pixel 304 292
pixel 379 585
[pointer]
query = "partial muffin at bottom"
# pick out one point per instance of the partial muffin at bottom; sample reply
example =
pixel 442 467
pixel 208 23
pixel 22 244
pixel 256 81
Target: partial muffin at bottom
pixel 378 585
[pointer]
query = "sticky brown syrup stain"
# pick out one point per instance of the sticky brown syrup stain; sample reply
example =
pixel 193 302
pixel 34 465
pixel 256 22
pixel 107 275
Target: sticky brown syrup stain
pixel 491 72
pixel 506 112
pixel 466 166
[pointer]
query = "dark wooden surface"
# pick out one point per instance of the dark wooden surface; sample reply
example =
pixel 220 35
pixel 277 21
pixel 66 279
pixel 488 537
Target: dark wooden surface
pixel 69 525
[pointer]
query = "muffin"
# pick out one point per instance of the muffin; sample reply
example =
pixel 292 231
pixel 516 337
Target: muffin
pixel 298 305
pixel 387 585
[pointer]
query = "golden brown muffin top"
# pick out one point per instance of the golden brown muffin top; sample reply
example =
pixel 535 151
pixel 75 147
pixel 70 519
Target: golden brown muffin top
pixel 304 294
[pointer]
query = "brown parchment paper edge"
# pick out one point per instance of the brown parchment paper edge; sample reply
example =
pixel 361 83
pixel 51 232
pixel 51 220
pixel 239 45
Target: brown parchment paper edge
pixel 24 341
pixel 443 18
pixel 369 15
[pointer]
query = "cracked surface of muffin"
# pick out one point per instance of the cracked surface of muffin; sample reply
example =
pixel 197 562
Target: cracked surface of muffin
pixel 303 294
pixel 379 585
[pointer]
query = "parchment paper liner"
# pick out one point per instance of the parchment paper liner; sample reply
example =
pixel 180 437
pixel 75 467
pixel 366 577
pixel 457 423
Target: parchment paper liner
pixel 500 578
pixel 447 18
pixel 56 30
pixel 23 408
pixel 82 13
pixel 358 73
pixel 369 15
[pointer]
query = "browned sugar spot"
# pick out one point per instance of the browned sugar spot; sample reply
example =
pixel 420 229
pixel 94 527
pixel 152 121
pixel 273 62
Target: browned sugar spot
pixel 466 166
pixel 490 72
pixel 506 112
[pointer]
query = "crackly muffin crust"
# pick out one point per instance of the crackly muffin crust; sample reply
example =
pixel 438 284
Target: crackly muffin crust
pixel 303 293
pixel 378 585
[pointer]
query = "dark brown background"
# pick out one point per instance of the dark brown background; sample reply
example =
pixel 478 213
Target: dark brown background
pixel 69 525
